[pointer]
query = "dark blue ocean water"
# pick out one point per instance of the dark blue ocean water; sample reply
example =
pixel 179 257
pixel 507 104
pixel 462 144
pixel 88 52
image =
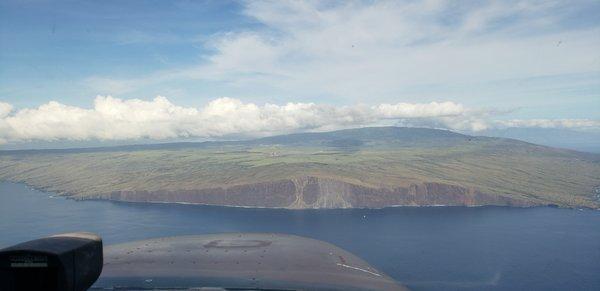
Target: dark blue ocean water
pixel 430 248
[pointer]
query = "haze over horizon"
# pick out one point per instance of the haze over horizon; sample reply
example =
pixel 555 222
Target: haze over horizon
pixel 73 72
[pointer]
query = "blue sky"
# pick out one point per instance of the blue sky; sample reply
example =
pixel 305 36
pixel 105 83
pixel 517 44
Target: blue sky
pixel 505 63
pixel 49 48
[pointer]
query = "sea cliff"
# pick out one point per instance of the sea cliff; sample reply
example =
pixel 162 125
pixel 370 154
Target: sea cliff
pixel 315 193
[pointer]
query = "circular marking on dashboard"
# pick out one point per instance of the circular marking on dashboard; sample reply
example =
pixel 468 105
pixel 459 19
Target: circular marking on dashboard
pixel 237 243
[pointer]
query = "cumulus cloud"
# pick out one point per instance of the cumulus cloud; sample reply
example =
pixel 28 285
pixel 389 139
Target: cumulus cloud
pixel 118 119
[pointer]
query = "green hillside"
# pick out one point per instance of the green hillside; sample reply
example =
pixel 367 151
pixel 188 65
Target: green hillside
pixel 366 158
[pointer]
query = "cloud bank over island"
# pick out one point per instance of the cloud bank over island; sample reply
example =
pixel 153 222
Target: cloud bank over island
pixel 292 66
pixel 112 118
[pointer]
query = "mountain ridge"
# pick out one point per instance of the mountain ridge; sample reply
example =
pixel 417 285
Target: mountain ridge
pixel 276 139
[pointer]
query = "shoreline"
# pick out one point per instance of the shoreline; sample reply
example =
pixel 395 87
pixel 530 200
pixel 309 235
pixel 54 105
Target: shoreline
pixel 325 209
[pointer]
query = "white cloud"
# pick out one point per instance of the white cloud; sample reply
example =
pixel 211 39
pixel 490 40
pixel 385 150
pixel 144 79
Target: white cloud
pixel 551 123
pixel 357 49
pixel 118 119
pixel 433 109
pixel 5 109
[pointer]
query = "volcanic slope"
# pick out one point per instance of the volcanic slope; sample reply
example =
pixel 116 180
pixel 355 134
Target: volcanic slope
pixel 366 167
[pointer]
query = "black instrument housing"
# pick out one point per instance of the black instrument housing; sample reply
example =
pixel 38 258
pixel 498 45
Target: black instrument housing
pixel 70 262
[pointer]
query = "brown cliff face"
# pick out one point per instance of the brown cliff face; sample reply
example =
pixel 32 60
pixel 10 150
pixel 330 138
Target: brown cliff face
pixel 315 192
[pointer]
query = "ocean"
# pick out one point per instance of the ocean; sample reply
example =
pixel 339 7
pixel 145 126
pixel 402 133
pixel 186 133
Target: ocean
pixel 425 248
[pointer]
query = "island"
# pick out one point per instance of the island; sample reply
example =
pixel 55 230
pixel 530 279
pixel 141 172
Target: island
pixel 353 168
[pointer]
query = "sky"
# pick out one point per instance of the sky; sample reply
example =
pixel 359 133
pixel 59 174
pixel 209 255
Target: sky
pixel 167 70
